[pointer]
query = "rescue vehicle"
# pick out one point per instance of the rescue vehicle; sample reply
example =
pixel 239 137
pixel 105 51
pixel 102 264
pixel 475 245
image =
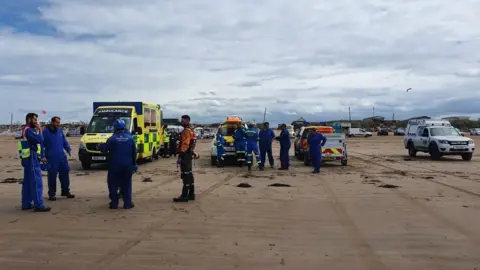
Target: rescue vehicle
pixel 335 149
pixel 438 138
pixel 143 120
pixel 227 129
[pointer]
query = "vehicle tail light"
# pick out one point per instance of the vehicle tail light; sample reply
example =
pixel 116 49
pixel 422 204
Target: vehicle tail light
pixel 304 143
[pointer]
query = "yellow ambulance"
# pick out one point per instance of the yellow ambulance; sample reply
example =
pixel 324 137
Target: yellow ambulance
pixel 143 120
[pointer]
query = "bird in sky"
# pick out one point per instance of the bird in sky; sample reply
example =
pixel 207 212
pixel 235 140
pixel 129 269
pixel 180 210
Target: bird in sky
pixel 409 89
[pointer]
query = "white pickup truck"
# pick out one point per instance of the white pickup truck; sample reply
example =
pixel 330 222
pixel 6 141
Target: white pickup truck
pixel 334 149
pixel 438 138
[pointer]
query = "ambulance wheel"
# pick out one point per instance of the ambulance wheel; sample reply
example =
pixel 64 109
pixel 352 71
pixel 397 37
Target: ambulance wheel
pixel 213 160
pixel 344 162
pixel 86 165
pixel 155 154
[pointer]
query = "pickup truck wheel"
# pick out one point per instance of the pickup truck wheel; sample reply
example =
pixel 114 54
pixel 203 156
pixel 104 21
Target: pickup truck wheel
pixel 411 150
pixel 467 157
pixel 434 152
pixel 306 159
pixel 86 165
pixel 213 160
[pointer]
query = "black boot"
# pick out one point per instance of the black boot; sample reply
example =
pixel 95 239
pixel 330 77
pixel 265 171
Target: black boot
pixel 52 198
pixel 68 195
pixel 44 209
pixel 184 196
pixel 191 193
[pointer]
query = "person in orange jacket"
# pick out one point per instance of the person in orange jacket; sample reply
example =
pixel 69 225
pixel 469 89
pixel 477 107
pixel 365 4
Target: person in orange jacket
pixel 186 154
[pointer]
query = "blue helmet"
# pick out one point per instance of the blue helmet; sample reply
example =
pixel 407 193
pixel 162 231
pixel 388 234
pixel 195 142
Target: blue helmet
pixel 119 124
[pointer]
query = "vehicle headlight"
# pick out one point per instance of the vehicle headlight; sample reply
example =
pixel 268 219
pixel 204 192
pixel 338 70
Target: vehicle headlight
pixel 443 142
pixel 471 142
pixel 82 146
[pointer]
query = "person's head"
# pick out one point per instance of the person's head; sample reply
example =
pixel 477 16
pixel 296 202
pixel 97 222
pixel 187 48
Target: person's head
pixel 266 125
pixel 251 125
pixel 31 119
pixel 119 124
pixel 239 125
pixel 185 120
pixel 55 121
pixel 283 126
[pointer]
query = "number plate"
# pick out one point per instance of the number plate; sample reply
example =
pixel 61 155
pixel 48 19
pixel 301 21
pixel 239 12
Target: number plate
pixel 458 147
pixel 229 148
pixel 99 158
pixel 328 158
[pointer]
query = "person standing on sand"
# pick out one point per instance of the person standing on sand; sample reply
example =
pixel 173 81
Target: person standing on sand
pixel 285 144
pixel 122 164
pixel 55 145
pixel 30 148
pixel 185 157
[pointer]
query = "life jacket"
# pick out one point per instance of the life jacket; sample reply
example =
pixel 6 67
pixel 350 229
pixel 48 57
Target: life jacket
pixel 24 147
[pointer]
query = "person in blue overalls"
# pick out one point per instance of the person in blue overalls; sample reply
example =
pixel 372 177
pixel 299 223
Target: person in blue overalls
pixel 285 144
pixel 240 144
pixel 30 148
pixel 55 145
pixel 316 141
pixel 121 164
pixel 220 143
pixel 252 145
pixel 266 135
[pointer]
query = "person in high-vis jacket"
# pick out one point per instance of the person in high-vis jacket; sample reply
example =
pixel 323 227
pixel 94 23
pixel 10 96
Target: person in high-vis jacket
pixel 173 143
pixel 166 143
pixel 55 145
pixel 285 144
pixel 316 141
pixel 186 154
pixel 252 145
pixel 30 148
pixel 266 135
pixel 122 155
pixel 240 144
pixel 220 143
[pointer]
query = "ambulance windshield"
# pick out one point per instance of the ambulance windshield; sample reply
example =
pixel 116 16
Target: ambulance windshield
pixel 103 119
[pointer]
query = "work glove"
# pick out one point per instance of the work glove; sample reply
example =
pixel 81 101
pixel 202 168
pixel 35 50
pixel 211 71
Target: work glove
pixel 179 161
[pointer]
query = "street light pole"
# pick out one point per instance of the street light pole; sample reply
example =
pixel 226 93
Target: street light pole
pixel 349 115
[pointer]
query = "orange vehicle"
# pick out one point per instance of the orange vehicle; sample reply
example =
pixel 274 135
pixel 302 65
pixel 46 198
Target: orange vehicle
pixel 334 149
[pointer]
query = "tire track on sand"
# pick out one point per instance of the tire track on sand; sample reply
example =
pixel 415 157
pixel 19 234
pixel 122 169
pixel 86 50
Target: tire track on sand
pixel 365 251
pixel 406 172
pixel 145 234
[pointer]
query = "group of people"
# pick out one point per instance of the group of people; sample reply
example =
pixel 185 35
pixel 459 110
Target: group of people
pixel 44 149
pixel 170 141
pixel 249 141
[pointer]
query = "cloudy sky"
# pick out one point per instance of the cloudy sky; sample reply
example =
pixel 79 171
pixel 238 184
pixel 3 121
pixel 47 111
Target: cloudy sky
pixel 309 58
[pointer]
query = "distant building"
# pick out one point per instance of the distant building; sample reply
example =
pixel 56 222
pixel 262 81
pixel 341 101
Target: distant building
pixel 419 118
pixel 375 118
pixel 453 118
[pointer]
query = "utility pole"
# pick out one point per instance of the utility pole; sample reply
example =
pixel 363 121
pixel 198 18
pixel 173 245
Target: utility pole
pixel 393 117
pixel 349 115
pixel 373 110
pixel 264 115
pixel 11 121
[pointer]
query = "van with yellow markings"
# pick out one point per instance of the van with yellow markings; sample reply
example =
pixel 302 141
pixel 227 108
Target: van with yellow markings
pixel 143 121
pixel 227 130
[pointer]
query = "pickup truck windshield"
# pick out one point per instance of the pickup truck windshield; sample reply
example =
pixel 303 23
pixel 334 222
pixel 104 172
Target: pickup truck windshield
pixel 104 124
pixel 444 131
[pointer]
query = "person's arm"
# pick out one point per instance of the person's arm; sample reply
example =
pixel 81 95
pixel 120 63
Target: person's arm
pixel 105 147
pixel 185 138
pixel 66 145
pixel 324 140
pixel 35 139
pixel 134 153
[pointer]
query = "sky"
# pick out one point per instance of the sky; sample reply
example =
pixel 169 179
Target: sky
pixel 209 59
